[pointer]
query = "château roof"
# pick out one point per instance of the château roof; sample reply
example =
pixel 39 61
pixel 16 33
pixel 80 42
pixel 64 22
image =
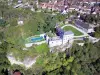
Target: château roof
pixel 82 24
pixel 68 33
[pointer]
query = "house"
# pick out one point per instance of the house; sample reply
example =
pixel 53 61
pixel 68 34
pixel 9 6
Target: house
pixel 10 2
pixel 19 1
pixel 19 5
pixel 84 26
pixel 16 72
pixel 64 12
pixel 54 5
pixel 61 39
pixel 32 9
pixel 54 41
pixel 20 22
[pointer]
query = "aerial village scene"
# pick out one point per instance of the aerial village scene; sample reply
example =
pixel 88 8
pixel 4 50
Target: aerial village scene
pixel 49 37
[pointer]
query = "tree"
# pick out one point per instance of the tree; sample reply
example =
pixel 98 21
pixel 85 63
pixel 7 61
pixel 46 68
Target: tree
pixel 4 63
pixel 1 35
pixel 3 7
pixel 50 23
pixel 43 0
pixel 85 56
pixel 17 67
pixel 3 23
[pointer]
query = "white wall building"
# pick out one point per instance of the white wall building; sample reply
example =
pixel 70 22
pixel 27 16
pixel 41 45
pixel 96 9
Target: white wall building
pixel 20 22
pixel 84 26
pixel 64 12
pixel 68 37
pixel 57 41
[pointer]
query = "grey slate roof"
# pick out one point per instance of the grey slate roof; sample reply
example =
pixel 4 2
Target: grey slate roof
pixel 68 32
pixel 82 24
pixel 54 38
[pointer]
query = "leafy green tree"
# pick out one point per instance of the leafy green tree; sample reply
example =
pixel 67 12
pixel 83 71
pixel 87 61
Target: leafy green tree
pixel 4 62
pixel 86 55
pixel 3 23
pixel 43 0
pixel 3 7
pixel 13 22
pixel 17 67
pixel 2 36
pixel 50 23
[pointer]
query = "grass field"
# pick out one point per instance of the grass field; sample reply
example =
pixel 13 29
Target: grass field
pixel 43 48
pixel 32 52
pixel 75 31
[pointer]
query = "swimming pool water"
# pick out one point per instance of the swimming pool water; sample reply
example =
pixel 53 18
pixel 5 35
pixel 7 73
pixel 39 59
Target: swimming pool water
pixel 35 39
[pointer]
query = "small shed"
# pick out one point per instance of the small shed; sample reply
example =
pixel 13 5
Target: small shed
pixel 20 21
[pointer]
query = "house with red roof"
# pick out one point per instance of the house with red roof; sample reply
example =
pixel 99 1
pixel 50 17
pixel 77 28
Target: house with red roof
pixel 16 72
pixel 56 5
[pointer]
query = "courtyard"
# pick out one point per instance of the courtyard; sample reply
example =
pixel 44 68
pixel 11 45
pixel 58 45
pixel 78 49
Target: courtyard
pixel 74 30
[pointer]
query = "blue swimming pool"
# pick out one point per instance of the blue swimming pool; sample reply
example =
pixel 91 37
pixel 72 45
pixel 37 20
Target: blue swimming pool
pixel 36 39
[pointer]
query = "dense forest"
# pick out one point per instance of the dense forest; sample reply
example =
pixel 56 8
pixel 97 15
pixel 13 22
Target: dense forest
pixel 79 60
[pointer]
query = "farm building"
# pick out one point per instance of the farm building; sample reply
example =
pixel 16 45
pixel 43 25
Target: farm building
pixel 84 26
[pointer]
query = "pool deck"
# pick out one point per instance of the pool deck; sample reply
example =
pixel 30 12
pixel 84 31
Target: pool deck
pixel 30 40
pixel 37 43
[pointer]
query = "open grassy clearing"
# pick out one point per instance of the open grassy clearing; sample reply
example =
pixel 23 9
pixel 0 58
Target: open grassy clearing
pixel 33 25
pixel 43 48
pixel 31 52
pixel 75 31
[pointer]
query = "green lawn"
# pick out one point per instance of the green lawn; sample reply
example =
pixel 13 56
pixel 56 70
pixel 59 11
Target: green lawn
pixel 75 31
pixel 43 48
pixel 32 52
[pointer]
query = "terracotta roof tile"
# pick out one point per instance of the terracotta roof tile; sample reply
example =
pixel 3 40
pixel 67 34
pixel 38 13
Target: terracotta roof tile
pixel 17 73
